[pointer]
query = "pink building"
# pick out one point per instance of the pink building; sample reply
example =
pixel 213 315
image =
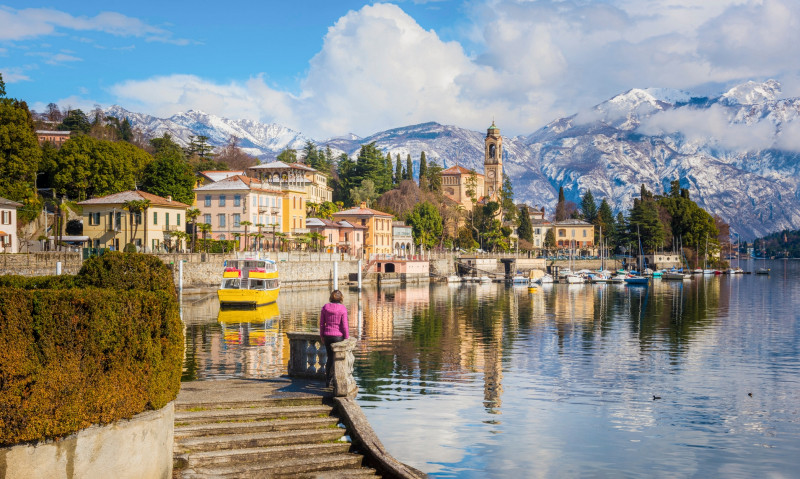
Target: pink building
pixel 339 236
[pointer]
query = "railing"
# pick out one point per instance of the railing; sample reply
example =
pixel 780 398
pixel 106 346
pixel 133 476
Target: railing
pixel 307 358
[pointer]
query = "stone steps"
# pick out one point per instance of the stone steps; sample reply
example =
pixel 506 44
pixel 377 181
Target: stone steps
pixel 294 437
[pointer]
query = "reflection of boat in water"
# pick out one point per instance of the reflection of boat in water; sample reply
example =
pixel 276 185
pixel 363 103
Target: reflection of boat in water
pixel 255 315
pixel 249 283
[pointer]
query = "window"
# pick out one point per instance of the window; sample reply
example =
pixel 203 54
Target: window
pixel 330 237
pixel 207 219
pixel 208 200
pixel 237 200
pixel 155 217
pixel 236 220
pixel 222 200
pixel 538 231
pixel 166 219
pixel 6 217
pixel 137 217
pixel 94 219
pixel 221 220
pixel 179 220
pixel 584 233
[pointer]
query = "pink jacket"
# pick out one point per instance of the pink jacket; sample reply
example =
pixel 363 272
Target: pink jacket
pixel 333 320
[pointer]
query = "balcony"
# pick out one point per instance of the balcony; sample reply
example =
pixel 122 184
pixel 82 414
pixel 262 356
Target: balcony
pixel 300 231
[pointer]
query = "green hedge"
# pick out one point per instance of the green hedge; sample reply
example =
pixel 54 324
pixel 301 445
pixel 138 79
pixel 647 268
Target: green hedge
pixel 76 356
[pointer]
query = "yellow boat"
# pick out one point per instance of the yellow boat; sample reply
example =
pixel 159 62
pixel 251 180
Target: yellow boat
pixel 257 315
pixel 249 283
pixel 255 327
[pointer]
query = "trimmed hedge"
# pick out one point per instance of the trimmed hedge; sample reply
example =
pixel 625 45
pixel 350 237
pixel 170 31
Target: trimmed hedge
pixel 77 356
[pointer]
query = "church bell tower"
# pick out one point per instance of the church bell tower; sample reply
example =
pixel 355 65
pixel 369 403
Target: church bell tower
pixel 493 163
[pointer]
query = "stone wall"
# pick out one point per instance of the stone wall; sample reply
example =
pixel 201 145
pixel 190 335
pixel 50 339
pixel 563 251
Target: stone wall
pixel 135 448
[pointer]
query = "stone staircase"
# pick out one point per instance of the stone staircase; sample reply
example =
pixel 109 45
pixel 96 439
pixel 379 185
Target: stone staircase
pixel 298 437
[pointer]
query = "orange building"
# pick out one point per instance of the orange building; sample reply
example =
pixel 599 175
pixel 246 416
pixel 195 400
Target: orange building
pixel 378 237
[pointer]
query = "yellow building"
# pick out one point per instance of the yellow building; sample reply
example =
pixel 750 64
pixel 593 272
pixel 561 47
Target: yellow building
pixel 378 237
pixel 109 223
pixel 294 210
pixel 577 234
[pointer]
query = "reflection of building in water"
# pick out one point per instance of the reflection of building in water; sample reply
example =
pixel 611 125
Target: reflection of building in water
pixel 378 316
pixel 493 368
pixel 577 305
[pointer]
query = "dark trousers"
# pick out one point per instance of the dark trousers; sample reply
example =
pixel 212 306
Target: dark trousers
pixel 329 340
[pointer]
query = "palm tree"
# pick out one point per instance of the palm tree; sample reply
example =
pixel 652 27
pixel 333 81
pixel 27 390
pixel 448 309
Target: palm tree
pixel 236 237
pixel 246 225
pixel 259 236
pixel 137 207
pixel 316 237
pixel 191 215
pixel 312 209
pixel 282 237
pixel 179 237
pixel 205 228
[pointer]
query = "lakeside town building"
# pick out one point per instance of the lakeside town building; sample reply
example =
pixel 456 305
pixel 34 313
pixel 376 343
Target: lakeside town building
pixel 228 202
pixel 108 222
pixel 378 237
pixel 338 236
pixel 293 176
pixel 8 226
pixel 55 137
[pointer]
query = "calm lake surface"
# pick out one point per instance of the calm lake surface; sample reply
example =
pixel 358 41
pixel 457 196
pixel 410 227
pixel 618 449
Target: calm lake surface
pixel 496 381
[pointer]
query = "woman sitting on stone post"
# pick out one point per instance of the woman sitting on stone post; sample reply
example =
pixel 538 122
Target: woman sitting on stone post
pixel 333 328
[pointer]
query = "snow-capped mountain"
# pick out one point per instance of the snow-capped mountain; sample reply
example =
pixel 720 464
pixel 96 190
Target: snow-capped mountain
pixel 261 140
pixel 738 153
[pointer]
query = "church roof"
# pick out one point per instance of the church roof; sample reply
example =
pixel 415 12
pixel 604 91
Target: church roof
pixel 458 170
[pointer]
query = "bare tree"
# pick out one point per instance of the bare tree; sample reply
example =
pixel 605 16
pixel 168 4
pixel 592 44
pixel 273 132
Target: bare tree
pixel 234 157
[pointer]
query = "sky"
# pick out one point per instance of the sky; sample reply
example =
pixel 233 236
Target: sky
pixel 332 68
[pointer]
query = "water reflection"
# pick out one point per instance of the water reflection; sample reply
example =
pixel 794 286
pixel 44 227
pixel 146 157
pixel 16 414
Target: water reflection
pixel 489 380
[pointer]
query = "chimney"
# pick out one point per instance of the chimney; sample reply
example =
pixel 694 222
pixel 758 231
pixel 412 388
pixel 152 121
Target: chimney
pixel 169 198
pixel 363 204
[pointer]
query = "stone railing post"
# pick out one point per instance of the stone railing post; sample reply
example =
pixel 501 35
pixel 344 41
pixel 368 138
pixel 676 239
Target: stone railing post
pixel 344 382
pixel 307 356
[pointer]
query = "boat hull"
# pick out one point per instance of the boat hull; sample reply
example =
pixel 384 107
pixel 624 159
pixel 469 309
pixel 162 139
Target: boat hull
pixel 246 298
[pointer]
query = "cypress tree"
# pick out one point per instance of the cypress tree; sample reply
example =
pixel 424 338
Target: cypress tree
pixel 398 171
pixel 561 206
pixel 423 172
pixel 409 168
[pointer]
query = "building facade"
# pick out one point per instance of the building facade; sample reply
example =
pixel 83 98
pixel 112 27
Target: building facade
pixel 284 175
pixel 402 239
pixel 109 221
pixel 378 236
pixel 227 203
pixel 577 234
pixel 9 243
pixel 55 137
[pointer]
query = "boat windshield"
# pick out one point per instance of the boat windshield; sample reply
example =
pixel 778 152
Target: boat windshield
pixel 231 283
pixel 257 284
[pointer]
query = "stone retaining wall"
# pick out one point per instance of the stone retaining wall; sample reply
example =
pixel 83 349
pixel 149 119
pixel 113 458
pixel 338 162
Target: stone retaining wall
pixel 135 448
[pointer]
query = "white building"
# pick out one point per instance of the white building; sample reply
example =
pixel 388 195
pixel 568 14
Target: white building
pixel 9 242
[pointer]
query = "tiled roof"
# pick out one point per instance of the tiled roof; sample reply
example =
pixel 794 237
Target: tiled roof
pixel 238 182
pixel 347 224
pixel 9 203
pixel 458 170
pixel 220 175
pixel 361 211
pixel 572 222
pixel 280 164
pixel 133 195
pixel 321 222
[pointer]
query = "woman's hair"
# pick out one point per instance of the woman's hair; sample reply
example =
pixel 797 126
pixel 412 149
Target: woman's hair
pixel 336 296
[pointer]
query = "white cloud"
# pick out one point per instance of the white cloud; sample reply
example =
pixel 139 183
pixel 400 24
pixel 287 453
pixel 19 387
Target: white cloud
pixel 13 75
pixel 713 123
pixel 532 62
pixel 35 22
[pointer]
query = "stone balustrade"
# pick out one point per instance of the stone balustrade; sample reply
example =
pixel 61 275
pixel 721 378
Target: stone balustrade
pixel 307 358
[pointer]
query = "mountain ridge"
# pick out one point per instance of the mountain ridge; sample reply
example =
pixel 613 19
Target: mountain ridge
pixel 735 152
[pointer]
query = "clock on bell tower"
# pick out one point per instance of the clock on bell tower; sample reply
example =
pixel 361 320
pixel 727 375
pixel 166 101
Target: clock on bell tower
pixel 493 163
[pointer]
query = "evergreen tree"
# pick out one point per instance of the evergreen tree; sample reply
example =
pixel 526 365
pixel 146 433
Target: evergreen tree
pixel 525 230
pixel 310 155
pixel 125 130
pixel 550 238
pixel 619 232
pixel 398 171
pixel 423 172
pixel 605 218
pixel 199 146
pixel 76 120
pixel 2 87
pixel 507 200
pixel 434 176
pixel 409 168
pixel 561 211
pixel 20 154
pixel 588 207
pixel 426 224
pixel 169 175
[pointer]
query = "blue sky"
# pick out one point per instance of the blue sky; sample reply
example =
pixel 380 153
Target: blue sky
pixel 330 68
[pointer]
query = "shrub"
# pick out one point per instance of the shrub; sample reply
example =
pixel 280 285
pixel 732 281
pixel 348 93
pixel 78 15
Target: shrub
pixel 73 357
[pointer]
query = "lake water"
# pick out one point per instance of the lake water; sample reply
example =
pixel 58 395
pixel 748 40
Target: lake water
pixel 495 381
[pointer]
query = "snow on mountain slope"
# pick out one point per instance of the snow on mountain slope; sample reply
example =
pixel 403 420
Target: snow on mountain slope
pixel 739 153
